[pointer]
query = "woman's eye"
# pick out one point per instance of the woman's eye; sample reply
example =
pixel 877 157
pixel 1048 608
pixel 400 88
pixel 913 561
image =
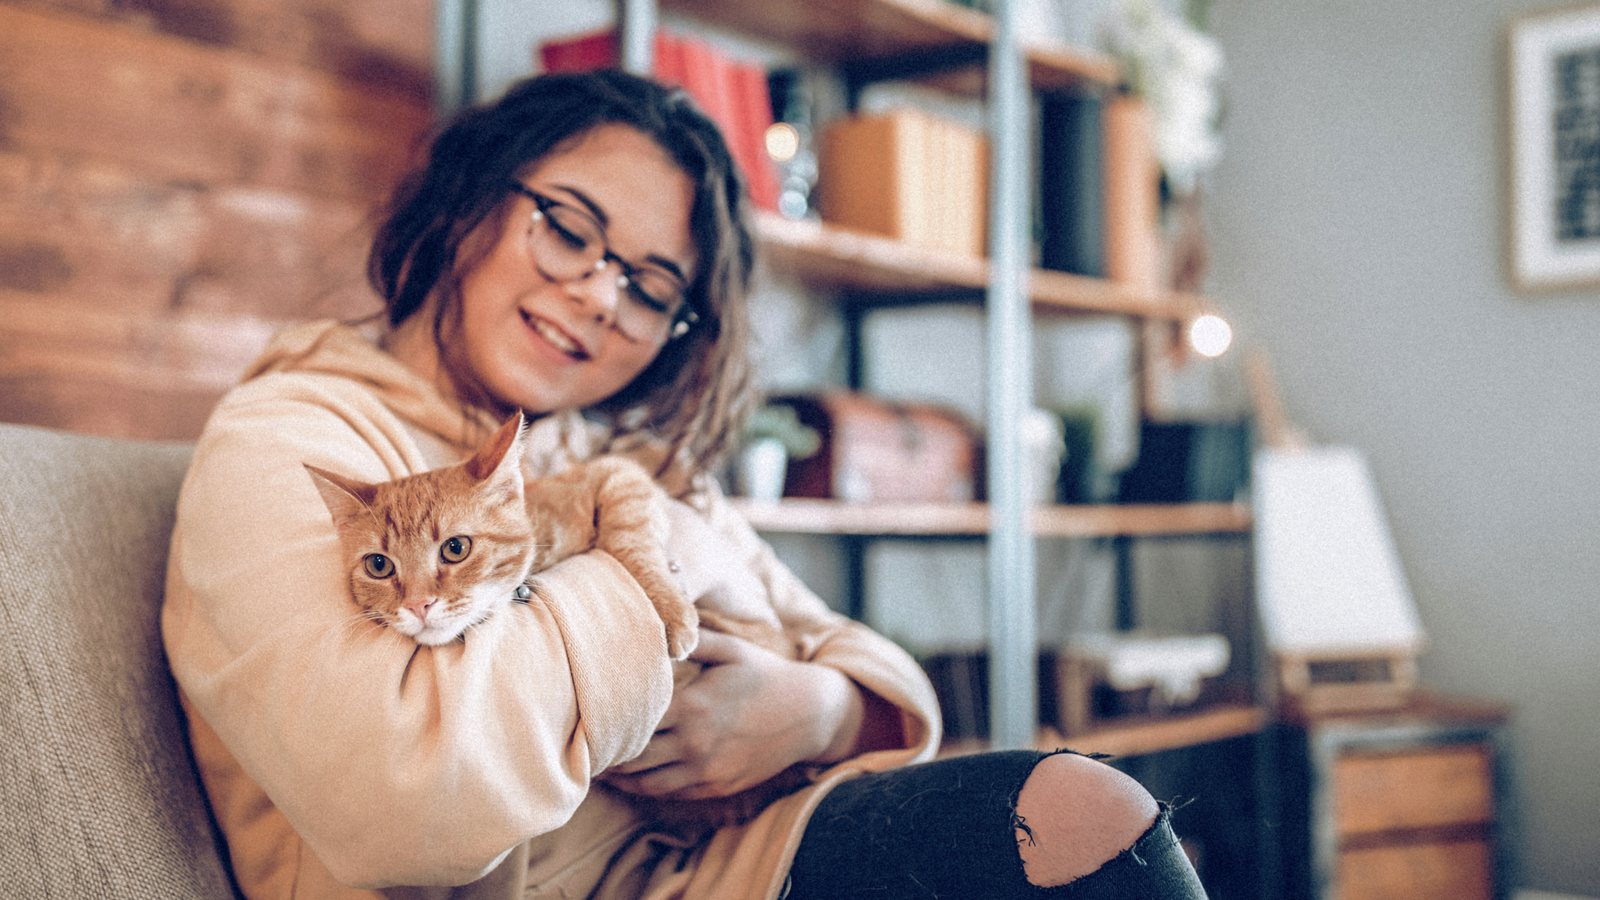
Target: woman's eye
pixel 575 238
pixel 378 565
pixel 643 298
pixel 455 549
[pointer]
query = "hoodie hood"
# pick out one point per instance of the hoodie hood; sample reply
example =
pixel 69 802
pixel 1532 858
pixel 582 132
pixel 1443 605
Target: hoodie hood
pixel 343 351
pixel 328 348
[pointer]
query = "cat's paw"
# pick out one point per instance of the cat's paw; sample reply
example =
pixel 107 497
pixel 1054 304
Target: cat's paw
pixel 683 628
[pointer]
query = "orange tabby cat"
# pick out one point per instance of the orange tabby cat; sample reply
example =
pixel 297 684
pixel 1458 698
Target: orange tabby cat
pixel 435 553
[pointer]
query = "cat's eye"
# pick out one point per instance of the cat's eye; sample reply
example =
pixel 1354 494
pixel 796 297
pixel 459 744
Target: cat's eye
pixel 455 549
pixel 378 565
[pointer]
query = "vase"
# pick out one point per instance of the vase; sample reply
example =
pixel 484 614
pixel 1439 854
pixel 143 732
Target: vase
pixel 763 464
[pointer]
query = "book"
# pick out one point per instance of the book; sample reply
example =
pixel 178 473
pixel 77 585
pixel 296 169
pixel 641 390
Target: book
pixel 1071 211
pixel 752 101
pixel 585 52
pixel 1132 185
pixel 1189 462
pixel 907 175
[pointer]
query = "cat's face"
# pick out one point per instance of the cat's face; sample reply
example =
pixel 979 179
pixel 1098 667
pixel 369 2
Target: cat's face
pixel 433 554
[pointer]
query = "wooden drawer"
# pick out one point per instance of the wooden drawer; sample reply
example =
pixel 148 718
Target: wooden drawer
pixel 1440 871
pixel 1425 788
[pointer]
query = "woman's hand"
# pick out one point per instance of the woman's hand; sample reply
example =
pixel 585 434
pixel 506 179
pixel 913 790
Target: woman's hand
pixel 747 716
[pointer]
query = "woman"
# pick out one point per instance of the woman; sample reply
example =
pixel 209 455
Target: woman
pixel 577 251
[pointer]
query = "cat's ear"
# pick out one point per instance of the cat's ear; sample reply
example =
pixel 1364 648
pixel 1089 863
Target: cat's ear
pixel 502 451
pixel 346 498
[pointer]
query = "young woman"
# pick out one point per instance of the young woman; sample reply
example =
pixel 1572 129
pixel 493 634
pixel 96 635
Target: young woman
pixel 577 250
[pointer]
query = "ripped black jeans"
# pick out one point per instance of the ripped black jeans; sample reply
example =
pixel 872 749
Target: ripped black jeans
pixel 946 829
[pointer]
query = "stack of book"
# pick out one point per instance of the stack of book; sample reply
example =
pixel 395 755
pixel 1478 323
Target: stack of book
pixel 907 175
pixel 732 92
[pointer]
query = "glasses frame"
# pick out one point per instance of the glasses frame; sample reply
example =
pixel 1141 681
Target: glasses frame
pixel 680 321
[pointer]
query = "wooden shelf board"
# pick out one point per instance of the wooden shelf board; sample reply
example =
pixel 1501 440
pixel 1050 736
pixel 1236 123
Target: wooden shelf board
pixel 1136 738
pixel 802 516
pixel 1162 733
pixel 830 256
pixel 1149 519
pixel 1063 291
pixel 838 257
pixel 830 31
pixel 1058 66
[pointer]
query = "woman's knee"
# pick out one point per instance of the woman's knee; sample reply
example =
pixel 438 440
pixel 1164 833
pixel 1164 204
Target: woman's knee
pixel 1074 814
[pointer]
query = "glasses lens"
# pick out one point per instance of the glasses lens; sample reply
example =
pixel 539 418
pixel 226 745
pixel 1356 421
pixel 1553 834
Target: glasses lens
pixel 569 244
pixel 649 305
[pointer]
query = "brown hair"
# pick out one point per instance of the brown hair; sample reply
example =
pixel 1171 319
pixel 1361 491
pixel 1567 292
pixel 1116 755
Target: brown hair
pixel 698 389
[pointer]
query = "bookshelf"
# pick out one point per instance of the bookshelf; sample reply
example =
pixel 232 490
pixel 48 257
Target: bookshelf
pixel 973 55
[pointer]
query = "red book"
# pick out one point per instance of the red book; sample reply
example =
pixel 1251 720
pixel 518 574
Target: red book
pixel 669 58
pixel 708 77
pixel 753 100
pixel 735 96
pixel 581 53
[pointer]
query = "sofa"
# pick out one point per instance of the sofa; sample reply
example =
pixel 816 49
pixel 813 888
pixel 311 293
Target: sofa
pixel 98 792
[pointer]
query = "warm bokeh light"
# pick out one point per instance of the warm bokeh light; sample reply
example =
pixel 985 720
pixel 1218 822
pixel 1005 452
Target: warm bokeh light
pixel 1209 335
pixel 783 141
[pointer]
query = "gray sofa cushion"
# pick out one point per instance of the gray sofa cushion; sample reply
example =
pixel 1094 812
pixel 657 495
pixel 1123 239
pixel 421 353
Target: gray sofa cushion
pixel 98 795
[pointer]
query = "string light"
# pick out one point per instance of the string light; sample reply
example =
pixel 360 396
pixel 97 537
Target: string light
pixel 1210 335
pixel 783 141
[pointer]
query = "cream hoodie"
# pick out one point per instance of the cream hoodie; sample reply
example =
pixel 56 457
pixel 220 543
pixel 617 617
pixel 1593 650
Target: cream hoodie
pixel 342 759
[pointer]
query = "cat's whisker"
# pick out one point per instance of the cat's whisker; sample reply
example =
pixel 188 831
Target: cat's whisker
pixel 354 621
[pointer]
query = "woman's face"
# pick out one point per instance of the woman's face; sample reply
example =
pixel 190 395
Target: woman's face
pixel 542 344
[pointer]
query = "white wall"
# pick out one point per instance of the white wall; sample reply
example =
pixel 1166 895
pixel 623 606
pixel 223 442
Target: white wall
pixel 1357 229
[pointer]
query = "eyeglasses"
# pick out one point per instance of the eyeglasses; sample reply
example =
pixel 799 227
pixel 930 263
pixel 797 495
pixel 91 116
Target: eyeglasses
pixel 567 243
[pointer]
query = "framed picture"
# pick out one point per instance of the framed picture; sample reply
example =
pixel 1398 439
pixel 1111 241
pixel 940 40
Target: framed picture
pixel 1555 148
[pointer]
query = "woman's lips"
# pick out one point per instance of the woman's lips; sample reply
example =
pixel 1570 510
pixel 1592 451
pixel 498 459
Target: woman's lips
pixel 556 337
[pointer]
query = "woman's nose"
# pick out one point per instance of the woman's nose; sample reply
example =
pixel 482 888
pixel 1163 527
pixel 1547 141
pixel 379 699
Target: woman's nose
pixel 600 290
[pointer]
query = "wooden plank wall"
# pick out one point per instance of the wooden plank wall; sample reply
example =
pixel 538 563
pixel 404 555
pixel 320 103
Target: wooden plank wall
pixel 179 178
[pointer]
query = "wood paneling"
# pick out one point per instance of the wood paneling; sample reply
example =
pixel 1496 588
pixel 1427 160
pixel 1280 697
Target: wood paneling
pixel 178 178
pixel 383 42
pixel 196 113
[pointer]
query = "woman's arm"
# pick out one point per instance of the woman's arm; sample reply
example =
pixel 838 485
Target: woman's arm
pixel 751 712
pixel 397 764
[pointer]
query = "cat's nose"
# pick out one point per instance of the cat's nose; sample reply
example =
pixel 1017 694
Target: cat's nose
pixel 419 608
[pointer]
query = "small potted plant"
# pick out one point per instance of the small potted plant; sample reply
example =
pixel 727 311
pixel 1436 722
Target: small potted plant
pixel 773 435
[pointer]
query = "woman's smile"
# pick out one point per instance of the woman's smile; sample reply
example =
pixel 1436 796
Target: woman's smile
pixel 556 336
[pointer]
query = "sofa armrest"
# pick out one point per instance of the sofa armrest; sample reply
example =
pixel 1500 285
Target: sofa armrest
pixel 98 793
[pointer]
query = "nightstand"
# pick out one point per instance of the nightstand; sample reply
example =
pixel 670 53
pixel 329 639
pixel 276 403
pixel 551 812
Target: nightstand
pixel 1405 803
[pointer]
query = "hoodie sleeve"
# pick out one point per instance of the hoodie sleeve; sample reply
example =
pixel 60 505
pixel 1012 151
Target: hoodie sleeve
pixel 827 637
pixel 394 763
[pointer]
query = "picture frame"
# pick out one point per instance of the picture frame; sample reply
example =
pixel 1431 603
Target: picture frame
pixel 1554 118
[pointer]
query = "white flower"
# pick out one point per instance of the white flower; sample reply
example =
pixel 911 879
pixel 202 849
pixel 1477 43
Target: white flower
pixel 1175 68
